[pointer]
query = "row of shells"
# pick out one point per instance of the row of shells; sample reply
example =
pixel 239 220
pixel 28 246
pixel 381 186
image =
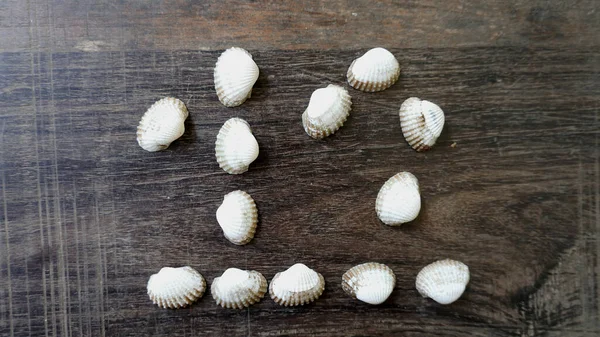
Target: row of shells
pixel 398 202
pixel 444 281
pixel 328 108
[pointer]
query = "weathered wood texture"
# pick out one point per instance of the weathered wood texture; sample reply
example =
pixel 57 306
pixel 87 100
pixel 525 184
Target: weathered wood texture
pixel 87 215
pixel 94 25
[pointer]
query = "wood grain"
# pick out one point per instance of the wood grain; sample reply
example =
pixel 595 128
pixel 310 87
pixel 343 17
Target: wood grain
pixel 105 25
pixel 87 215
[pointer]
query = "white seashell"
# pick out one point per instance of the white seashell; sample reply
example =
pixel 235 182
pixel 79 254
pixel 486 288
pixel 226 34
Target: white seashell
pixel 422 123
pixel 176 287
pixel 237 289
pixel 369 282
pixel 443 281
pixel 376 70
pixel 235 147
pixel 327 111
pixel 399 200
pixel 298 285
pixel 162 124
pixel 238 217
pixel 235 74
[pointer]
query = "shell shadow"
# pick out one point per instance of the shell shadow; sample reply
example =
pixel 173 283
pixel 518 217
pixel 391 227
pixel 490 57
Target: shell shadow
pixel 258 230
pixel 188 139
pixel 262 160
pixel 260 87
pixel 445 138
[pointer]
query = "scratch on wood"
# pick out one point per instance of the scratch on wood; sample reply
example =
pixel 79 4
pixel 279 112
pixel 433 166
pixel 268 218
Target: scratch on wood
pixel 34 92
pixel 248 318
pixel 77 260
pixel 581 268
pixel 92 45
pixel 50 245
pixel 62 270
pixel 7 242
pixel 114 231
pixel 596 218
pixel 100 264
pixel 87 296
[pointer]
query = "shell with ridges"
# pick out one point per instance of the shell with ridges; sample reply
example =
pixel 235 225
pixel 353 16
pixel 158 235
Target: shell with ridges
pixel 236 148
pixel 162 123
pixel 176 287
pixel 237 289
pixel 376 70
pixel 422 123
pixel 238 217
pixel 327 111
pixel 235 74
pixel 298 285
pixel 399 200
pixel 369 282
pixel 443 281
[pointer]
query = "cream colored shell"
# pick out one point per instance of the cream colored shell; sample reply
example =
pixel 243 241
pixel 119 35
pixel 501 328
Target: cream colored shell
pixel 235 74
pixel 238 217
pixel 399 200
pixel 236 148
pixel 176 287
pixel 369 282
pixel 327 111
pixel 376 70
pixel 298 285
pixel 237 289
pixel 443 281
pixel 422 123
pixel 162 124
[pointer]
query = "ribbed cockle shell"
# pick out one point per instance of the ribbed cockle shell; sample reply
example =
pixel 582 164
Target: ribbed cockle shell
pixel 327 111
pixel 369 282
pixel 238 217
pixel 162 124
pixel 399 200
pixel 235 74
pixel 298 285
pixel 422 123
pixel 176 287
pixel 237 289
pixel 236 147
pixel 443 281
pixel 376 70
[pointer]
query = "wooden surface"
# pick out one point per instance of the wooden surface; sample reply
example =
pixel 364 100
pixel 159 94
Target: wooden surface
pixel 87 215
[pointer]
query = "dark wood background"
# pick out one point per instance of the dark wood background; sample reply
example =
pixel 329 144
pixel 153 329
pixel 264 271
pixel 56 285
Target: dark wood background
pixel 87 215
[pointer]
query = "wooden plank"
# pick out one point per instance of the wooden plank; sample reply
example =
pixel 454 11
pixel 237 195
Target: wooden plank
pixel 266 25
pixel 87 215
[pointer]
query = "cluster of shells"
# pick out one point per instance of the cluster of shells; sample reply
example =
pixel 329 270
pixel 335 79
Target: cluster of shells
pixel 235 74
pixel 398 201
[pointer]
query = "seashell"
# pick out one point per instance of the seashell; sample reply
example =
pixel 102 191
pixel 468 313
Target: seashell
pixel 369 282
pixel 235 147
pixel 422 123
pixel 162 124
pixel 237 289
pixel 238 217
pixel 327 111
pixel 176 287
pixel 235 74
pixel 399 200
pixel 376 70
pixel 443 281
pixel 298 285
